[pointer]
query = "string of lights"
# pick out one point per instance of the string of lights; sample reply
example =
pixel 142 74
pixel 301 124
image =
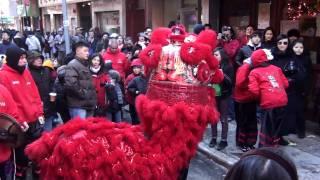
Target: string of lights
pixel 299 8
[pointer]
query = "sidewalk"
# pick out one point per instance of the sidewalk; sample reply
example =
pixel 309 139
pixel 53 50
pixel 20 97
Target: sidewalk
pixel 306 154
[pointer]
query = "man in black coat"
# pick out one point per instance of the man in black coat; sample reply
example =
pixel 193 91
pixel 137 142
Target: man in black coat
pixel 80 91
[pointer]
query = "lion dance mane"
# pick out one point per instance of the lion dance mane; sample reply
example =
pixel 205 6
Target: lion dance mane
pixel 174 114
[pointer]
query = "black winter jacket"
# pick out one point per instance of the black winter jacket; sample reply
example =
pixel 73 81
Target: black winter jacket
pixel 138 85
pixel 79 86
pixel 44 82
pixel 244 53
pixel 227 83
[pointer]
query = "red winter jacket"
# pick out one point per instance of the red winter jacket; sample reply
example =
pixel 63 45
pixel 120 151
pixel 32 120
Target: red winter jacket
pixel 24 92
pixel 7 106
pixel 231 48
pixel 99 81
pixel 241 92
pixel 269 84
pixel 119 62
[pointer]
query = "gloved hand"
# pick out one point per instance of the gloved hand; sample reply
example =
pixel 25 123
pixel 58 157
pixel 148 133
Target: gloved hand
pixel 24 126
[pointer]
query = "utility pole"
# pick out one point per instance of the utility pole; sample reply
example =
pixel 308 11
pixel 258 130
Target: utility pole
pixel 66 26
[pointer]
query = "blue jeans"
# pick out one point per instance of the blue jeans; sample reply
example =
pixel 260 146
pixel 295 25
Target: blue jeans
pixel 48 123
pixel 114 116
pixel 79 112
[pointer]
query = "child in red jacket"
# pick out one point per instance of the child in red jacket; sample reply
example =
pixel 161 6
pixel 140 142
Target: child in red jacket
pixel 268 84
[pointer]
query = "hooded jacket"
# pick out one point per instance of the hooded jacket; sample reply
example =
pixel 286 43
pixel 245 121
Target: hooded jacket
pixel 22 87
pixel 12 58
pixel 44 81
pixel 119 62
pixel 241 92
pixel 267 82
pixel 24 92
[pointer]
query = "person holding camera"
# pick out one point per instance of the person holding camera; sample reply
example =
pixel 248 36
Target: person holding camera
pixel 228 42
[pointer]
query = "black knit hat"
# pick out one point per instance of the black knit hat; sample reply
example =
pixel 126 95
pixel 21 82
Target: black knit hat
pixel 13 55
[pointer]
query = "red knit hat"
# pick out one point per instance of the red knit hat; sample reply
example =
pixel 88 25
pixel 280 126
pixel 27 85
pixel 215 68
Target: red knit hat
pixel 136 62
pixel 258 57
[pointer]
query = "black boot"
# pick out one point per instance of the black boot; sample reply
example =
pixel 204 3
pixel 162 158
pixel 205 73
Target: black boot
pixel 222 145
pixel 213 142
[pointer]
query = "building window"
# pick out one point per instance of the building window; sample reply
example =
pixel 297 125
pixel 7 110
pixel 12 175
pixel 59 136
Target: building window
pixel 109 21
pixel 189 3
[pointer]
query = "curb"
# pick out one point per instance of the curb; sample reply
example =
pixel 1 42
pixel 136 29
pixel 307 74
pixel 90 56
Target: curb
pixel 219 157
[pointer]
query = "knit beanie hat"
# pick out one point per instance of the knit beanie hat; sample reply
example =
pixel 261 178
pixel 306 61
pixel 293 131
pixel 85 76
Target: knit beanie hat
pixel 13 55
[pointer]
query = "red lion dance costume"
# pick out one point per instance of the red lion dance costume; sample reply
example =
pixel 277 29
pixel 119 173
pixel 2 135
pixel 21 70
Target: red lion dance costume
pixel 174 114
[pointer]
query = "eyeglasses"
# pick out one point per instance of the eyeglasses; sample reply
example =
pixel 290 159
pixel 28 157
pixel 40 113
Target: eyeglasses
pixel 284 43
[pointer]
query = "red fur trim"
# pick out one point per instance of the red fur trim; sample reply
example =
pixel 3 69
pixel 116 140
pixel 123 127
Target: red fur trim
pixel 150 56
pixel 96 148
pixel 194 53
pixel 178 38
pixel 204 73
pixel 160 36
pixel 218 77
pixel 208 37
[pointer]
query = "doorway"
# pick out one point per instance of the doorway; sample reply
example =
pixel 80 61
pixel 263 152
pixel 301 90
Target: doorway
pixel 85 20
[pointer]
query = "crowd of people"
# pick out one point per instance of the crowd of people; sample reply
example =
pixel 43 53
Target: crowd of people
pixel 103 73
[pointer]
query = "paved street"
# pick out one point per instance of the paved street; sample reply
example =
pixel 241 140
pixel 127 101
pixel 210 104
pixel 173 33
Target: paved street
pixel 202 168
pixel 305 154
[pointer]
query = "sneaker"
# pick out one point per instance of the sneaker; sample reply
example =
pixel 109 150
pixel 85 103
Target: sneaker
pixel 213 142
pixel 251 147
pixel 222 145
pixel 283 142
pixel 244 148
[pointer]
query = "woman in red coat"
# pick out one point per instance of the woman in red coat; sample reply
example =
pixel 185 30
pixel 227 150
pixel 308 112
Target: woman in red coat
pixel 100 78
